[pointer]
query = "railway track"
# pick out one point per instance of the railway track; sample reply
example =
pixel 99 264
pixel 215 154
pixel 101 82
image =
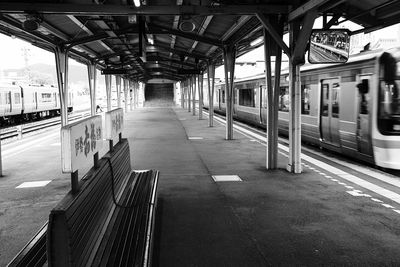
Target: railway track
pixel 19 130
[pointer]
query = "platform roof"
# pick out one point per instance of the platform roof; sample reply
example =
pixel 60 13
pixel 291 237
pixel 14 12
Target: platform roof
pixel 169 39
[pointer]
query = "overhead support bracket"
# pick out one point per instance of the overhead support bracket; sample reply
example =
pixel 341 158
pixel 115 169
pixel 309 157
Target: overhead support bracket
pixel 304 35
pixel 304 9
pixel 114 71
pixel 229 64
pixel 196 37
pixel 142 38
pixel 332 21
pixel 278 39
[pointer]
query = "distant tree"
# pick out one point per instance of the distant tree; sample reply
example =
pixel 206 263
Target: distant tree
pixel 40 78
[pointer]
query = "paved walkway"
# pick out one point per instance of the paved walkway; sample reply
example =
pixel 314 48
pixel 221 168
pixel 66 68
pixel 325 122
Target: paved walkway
pixel 271 218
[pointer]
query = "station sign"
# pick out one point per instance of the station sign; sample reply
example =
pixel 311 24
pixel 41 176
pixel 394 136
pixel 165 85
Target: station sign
pixel 79 142
pixel 114 123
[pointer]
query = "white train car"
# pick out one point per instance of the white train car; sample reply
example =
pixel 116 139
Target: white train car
pixel 351 108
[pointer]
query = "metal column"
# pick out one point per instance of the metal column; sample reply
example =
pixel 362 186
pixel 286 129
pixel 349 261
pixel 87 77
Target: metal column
pixel 210 81
pixel 62 79
pixel 183 95
pixel 200 80
pixel 92 87
pixel 229 63
pixel 108 91
pixel 131 95
pixel 194 94
pixel 294 164
pixel 189 92
pixel 126 88
pixel 118 84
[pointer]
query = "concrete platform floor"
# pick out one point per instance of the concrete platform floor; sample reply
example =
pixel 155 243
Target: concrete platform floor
pixel 271 218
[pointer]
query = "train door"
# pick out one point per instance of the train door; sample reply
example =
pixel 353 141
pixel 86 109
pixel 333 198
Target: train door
pixel 329 116
pixel 9 102
pixel 363 121
pixel 36 101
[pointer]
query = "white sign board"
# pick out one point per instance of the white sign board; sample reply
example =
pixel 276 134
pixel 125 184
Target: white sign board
pixel 114 123
pixel 79 142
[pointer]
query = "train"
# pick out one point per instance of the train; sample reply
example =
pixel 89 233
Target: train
pixel 20 103
pixel 352 108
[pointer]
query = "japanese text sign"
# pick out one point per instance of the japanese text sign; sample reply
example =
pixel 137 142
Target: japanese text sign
pixel 79 142
pixel 114 123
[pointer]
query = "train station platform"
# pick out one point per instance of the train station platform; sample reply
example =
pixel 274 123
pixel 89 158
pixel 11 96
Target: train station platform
pixel 268 218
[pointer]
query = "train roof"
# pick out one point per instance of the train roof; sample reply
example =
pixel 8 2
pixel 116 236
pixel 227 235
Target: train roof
pixel 360 57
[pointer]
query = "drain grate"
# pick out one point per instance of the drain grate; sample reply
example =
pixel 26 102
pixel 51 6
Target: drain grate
pixel 226 178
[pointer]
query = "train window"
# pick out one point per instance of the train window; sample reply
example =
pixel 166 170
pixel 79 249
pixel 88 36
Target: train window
pixel 389 107
pixel 17 98
pixel 235 96
pixel 284 99
pixel 223 96
pixel 246 97
pixel 46 97
pixel 363 89
pixel 335 99
pixel 325 99
pixel 305 99
pixel 8 98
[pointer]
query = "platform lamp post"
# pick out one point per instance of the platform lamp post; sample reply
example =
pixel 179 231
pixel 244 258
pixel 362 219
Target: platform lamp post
pixel 131 91
pixel 210 82
pixel 229 64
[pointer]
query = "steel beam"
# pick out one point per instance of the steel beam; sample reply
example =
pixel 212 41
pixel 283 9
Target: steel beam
pixel 126 88
pixel 229 64
pixel 210 82
pixel 62 79
pixel 200 80
pixel 194 94
pixel 303 37
pixel 305 8
pixel 126 10
pixel 294 164
pixel 118 86
pixel 190 94
pixel 267 25
pixel 108 91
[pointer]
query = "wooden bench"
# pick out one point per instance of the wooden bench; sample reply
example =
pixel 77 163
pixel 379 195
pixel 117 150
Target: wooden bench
pixel 98 227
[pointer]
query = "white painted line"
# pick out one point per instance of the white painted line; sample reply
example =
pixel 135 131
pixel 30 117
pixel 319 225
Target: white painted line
pixel 195 138
pixel 226 178
pixel 34 184
pixel 356 193
pixel 398 211
pixel 252 140
pixel 182 119
pixel 335 180
pixel 342 183
pixel 387 206
pixel 349 187
pixel 376 200
pixel 328 176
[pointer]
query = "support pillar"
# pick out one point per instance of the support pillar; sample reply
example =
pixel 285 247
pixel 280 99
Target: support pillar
pixel 118 85
pixel 229 63
pixel 108 91
pixel 189 92
pixel 210 81
pixel 294 164
pixel 126 88
pixel 194 94
pixel 92 87
pixel 272 49
pixel 62 79
pixel 183 94
pixel 131 95
pixel 200 82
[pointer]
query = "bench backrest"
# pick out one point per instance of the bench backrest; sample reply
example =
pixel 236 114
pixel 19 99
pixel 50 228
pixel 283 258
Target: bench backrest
pixel 79 221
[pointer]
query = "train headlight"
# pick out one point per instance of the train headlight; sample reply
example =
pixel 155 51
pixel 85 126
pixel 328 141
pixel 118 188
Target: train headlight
pixel 396 127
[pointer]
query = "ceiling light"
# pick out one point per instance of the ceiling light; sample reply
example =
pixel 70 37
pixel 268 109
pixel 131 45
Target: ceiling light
pixel 257 41
pixel 186 26
pixel 136 3
pixel 31 23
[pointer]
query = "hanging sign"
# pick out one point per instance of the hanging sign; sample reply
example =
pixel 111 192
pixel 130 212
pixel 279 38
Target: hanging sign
pixel 114 123
pixel 79 142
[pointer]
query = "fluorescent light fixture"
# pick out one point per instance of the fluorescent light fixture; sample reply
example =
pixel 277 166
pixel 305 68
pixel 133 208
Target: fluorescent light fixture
pixel 136 3
pixel 257 41
pixel 150 39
